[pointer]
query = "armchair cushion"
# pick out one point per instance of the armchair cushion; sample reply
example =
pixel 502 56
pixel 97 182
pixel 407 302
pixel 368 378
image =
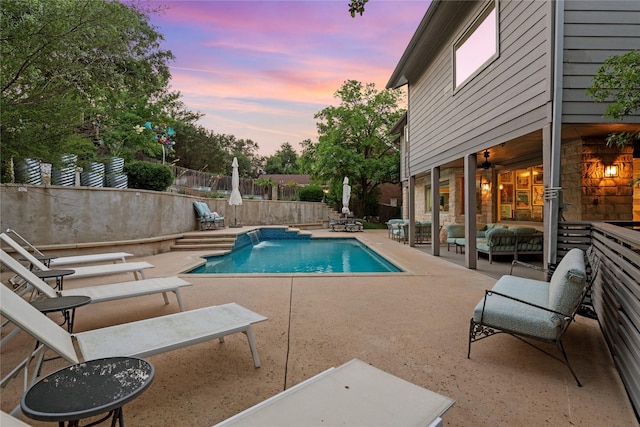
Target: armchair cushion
pixel 506 313
pixel 568 282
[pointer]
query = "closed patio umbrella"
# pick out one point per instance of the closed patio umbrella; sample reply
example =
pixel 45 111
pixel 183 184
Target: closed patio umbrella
pixel 346 195
pixel 235 198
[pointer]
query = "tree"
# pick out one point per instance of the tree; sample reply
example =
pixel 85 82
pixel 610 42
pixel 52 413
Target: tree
pixel 200 149
pixel 353 141
pixel 357 6
pixel 92 68
pixel 246 151
pixel 285 161
pixel 619 80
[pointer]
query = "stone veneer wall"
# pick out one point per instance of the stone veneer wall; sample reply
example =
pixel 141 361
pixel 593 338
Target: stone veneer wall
pixel 589 195
pixel 454 214
pixel 571 178
pixel 606 198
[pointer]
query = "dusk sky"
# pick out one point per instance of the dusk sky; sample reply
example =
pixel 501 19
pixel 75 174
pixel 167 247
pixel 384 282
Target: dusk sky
pixel 260 70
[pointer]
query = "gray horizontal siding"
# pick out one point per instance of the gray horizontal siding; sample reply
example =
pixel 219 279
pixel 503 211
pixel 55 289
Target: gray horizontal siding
pixel 593 32
pixel 508 99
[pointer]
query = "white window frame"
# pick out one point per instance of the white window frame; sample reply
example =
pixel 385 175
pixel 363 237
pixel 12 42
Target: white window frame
pixel 467 34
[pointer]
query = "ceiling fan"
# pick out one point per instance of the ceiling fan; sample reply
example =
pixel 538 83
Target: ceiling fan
pixel 486 164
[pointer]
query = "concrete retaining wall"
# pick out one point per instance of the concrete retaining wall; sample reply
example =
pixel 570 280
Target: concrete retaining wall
pixel 57 215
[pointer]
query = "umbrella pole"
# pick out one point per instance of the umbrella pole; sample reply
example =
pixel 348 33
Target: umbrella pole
pixel 235 215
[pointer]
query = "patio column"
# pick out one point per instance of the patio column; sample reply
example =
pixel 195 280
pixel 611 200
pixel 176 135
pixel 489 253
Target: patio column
pixel 435 211
pixel 553 191
pixel 412 211
pixel 470 166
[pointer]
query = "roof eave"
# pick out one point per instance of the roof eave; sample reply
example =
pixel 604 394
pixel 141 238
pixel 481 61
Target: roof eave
pixel 399 75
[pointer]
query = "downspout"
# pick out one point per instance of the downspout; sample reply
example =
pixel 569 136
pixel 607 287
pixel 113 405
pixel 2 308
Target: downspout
pixel 553 194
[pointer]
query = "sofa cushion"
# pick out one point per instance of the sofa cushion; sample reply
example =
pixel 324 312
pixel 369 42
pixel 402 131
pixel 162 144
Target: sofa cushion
pixel 505 313
pixel 492 226
pixel 501 239
pixel 522 230
pixel 455 231
pixel 482 246
pixel 567 283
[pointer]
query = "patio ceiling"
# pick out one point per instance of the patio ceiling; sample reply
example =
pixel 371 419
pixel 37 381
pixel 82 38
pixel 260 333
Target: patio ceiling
pixel 526 150
pixel 519 152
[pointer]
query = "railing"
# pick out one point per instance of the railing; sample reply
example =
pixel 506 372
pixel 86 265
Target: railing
pixel 195 182
pixel 616 291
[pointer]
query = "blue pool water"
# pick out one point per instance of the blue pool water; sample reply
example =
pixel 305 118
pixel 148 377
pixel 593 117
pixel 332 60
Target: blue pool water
pixel 296 255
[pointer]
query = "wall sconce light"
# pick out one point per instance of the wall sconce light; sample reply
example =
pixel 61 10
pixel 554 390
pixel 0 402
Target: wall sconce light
pixel 486 185
pixel 611 171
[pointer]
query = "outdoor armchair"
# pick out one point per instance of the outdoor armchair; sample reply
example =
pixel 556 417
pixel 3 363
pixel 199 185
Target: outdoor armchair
pixel 533 309
pixel 206 218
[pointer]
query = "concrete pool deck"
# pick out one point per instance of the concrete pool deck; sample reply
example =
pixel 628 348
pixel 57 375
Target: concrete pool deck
pixel 413 325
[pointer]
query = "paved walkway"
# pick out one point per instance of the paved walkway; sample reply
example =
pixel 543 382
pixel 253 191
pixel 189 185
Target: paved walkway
pixel 413 325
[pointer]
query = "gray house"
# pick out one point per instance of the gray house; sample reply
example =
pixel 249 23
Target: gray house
pixel 499 127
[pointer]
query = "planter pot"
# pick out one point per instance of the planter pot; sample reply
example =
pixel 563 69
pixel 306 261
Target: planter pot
pixel 63 176
pixel 95 167
pixel 117 180
pixel 91 179
pixel 28 172
pixel 114 165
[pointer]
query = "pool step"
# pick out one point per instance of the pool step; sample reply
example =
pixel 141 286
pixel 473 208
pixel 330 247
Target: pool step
pixel 199 241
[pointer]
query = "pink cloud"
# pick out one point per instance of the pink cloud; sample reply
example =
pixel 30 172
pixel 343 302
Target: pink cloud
pixel 262 69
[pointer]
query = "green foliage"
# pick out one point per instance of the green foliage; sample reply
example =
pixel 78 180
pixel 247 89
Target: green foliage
pixel 148 176
pixel 311 193
pixel 357 6
pixel 371 206
pixel 200 149
pixel 284 162
pixel 265 182
pixel 373 226
pixel 618 80
pixel 93 68
pixel 353 142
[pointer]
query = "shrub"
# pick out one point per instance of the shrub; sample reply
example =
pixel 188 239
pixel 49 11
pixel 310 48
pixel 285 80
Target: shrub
pixel 148 176
pixel 311 193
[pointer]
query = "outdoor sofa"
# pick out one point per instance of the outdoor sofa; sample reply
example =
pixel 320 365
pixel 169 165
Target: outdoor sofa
pixel 498 239
pixel 513 241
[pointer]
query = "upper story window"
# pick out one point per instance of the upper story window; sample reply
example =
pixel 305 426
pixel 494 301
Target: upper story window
pixel 477 47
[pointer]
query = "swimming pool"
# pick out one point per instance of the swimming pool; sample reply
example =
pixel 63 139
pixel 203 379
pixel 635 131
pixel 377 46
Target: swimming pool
pixel 271 251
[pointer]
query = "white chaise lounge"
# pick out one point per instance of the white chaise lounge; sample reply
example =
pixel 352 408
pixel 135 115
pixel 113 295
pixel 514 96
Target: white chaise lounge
pixel 73 259
pixel 137 268
pixel 90 258
pixel 354 394
pixel 101 293
pixel 140 339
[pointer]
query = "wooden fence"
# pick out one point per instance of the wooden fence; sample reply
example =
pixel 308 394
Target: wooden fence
pixel 615 295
